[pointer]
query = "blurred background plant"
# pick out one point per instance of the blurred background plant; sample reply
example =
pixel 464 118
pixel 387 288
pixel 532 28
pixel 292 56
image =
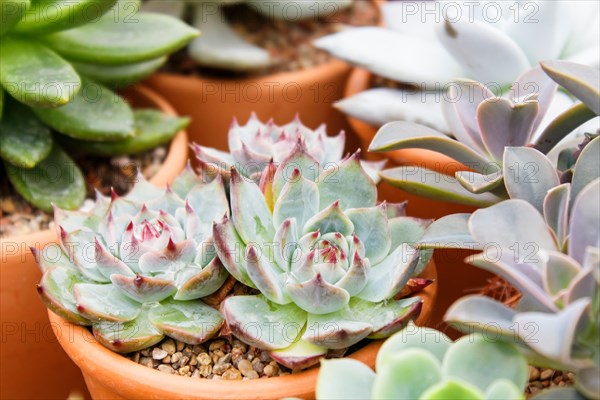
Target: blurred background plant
pixel 58 61
pixel 220 46
pixel 424 46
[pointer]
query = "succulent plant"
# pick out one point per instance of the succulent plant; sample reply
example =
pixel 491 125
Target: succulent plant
pixel 426 46
pixel 552 258
pixel 135 267
pixel 484 125
pixel 220 46
pixel 56 59
pixel 254 145
pixel 422 363
pixel 327 260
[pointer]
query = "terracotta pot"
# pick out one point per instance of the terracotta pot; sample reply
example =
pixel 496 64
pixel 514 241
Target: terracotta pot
pixel 111 376
pixel 212 103
pixel 33 365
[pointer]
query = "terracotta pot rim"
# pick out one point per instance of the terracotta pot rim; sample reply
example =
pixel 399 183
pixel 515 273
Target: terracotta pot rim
pixel 89 355
pixel 172 162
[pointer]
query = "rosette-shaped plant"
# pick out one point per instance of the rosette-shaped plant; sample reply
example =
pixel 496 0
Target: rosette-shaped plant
pixel 134 267
pixel 254 145
pixel 487 41
pixel 56 58
pixel 553 259
pixel 221 47
pixel 483 125
pixel 422 363
pixel 327 260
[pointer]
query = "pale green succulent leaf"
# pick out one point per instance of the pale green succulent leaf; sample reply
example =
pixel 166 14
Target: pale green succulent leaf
pixel 335 331
pixel 348 183
pixel 433 185
pixel 407 375
pixel 468 360
pixel 344 379
pixel 11 13
pixel 24 140
pixel 581 81
pixel 562 125
pixel 119 75
pixel 299 355
pixel 264 324
pixel 185 181
pixel 265 274
pixel 410 230
pixel 195 283
pixel 100 302
pixel 317 296
pixel 562 393
pixel 452 390
pixel 95 113
pixel 35 75
pixel 298 159
pixel 559 271
pixel 585 219
pixel 251 215
pixel 504 389
pixel 431 340
pixel 52 256
pixel 108 264
pixel 528 175
pixel 230 250
pixel 191 322
pixel 356 278
pixel 144 289
pixel 388 277
pixel 55 180
pixel 298 199
pixel 129 336
pixel 386 317
pixel 149 36
pixel 587 382
pixel 330 220
pixel 286 242
pixel 372 228
pixel 447 232
pixel 54 15
pixel 56 291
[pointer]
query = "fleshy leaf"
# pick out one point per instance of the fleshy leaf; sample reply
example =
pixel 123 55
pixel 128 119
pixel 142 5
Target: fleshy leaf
pixel 344 379
pixel 21 67
pixel 504 389
pixel 585 219
pixel 300 159
pixel 372 228
pixel 129 336
pixel 581 81
pixel 11 13
pixel 347 183
pixel 480 313
pixel 104 303
pixel 331 219
pixel 556 210
pixel 55 180
pixel 250 213
pixel 299 355
pixel 587 168
pixel 144 289
pixel 449 231
pixel 410 230
pixel 265 275
pixel 95 113
pixel 452 390
pixel 562 125
pixel 119 75
pixel 261 323
pixel 480 183
pixel 24 140
pixel 152 128
pixel 468 357
pixel 407 375
pixel 528 175
pixel 194 283
pixel 559 271
pixel 355 279
pixel 286 242
pixel 298 199
pixel 431 184
pixel 231 250
pixel 317 296
pixel 191 322
pixel 149 37
pixel 56 291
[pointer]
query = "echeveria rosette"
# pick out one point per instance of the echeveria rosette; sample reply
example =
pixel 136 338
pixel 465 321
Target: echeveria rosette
pixel 135 267
pixel 326 258
pixel 473 44
pixel 485 127
pixel 553 258
pixel 58 59
pixel 221 46
pixel 422 363
pixel 254 145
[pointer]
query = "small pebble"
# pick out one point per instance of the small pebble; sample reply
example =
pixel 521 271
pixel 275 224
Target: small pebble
pixel 146 362
pixel 204 359
pixel 166 368
pixel 546 374
pixel 245 367
pixel 219 369
pixel 534 373
pixel 158 354
pixel 232 374
pixel 169 346
pixel 270 370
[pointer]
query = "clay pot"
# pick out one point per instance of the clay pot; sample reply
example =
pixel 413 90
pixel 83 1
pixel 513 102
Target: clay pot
pixel 111 376
pixel 212 103
pixel 33 365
